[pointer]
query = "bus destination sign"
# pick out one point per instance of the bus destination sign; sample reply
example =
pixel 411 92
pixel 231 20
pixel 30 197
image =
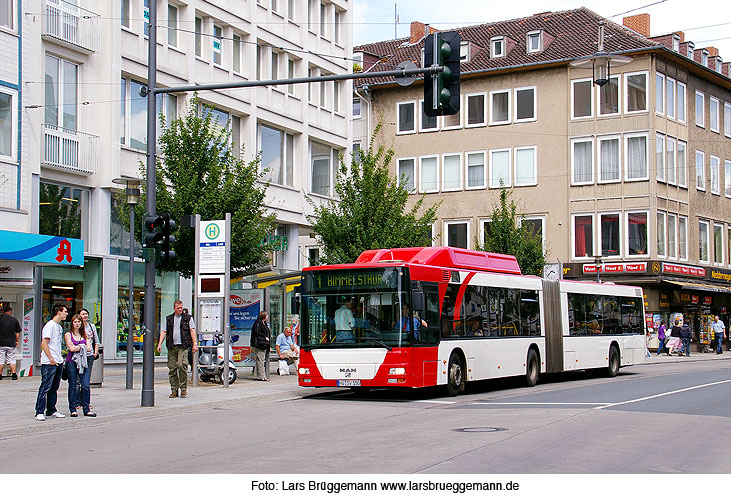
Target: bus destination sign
pixel 349 280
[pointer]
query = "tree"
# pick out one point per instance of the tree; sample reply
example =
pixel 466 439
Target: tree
pixel 199 173
pixel 505 236
pixel 370 210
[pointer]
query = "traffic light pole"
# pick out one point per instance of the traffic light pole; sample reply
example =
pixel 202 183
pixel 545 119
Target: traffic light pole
pixel 150 332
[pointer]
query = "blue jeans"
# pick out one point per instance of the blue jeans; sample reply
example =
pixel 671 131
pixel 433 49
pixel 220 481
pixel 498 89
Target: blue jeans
pixel 661 346
pixel 719 346
pixel 344 337
pixel 686 345
pixel 74 375
pixel 48 391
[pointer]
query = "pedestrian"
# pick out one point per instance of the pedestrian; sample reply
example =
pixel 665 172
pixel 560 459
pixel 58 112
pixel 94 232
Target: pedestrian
pixel 51 367
pixel 93 337
pixel 661 339
pixel 260 344
pixel 719 332
pixel 287 351
pixel 673 342
pixel 77 366
pixel 685 335
pixel 179 336
pixel 9 337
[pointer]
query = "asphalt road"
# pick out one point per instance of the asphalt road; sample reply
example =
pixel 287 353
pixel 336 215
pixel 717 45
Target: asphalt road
pixel 664 418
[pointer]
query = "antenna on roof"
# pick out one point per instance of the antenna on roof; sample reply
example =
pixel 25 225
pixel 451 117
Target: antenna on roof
pixel 395 21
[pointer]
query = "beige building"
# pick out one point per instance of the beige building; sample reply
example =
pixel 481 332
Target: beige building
pixel 634 175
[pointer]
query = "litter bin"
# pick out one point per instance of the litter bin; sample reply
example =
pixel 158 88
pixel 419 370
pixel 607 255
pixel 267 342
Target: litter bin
pixel 97 370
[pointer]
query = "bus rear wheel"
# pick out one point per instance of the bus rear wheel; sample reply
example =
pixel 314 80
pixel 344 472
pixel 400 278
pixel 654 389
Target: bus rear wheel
pixel 531 368
pixel 613 366
pixel 455 375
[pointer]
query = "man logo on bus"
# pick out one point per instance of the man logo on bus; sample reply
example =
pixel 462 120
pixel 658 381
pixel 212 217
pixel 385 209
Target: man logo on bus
pixel 212 231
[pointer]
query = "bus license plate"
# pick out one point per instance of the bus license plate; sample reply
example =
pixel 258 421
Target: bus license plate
pixel 348 383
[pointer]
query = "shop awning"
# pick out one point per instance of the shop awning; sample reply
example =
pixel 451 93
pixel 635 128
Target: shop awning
pixel 701 286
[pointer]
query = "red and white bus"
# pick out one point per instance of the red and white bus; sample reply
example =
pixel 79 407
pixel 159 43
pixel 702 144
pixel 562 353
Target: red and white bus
pixel 427 316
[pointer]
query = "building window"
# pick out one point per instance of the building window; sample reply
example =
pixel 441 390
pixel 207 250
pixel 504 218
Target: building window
pixel 124 14
pixel 636 157
pixel 336 96
pixel 323 167
pixel 659 93
pixel 583 234
pixel 690 50
pixel 277 155
pixel 525 166
pixel 670 97
pixel 727 179
pixel 727 118
pixel 457 234
pixel 291 74
pixel 500 107
pixel 670 160
pixel 236 47
pixel 61 92
pixel 715 175
pixel 714 108
pixel 676 43
pixel 485 230
pixel 313 256
pixel 636 91
pixel 8 125
pixel 497 47
pixel 672 236
pixel 700 170
pixel 172 25
pixel 682 165
pixel 661 230
pixel 500 168
pixel 275 65
pixel 452 121
pixel 609 97
pixel 660 157
pixel 428 174
pixel 610 234
pixel 291 9
pixel 683 237
pixel 700 116
pixel 406 117
pixel 728 242
pixel 703 239
pixel 681 102
pixel 428 123
pixel 637 233
pixel 581 103
pixel 534 226
pixel 198 37
pixel 60 211
pixel 311 14
pixel 260 64
pixel 464 52
pixel 534 42
pixel 338 27
pixel 407 173
pixel 582 161
pixel 476 110
pixel 356 108
pixel 525 104
pixel 719 64
pixel 609 159
pixel 451 172
pixel 323 21
pixel 704 58
pixel 718 244
pixel 476 170
pixel 217 44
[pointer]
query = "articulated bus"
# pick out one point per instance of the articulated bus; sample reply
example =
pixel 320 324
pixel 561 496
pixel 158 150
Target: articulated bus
pixel 428 316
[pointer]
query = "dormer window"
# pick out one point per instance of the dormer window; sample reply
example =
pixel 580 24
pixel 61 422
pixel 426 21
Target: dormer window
pixel 534 42
pixel 497 47
pixel 676 43
pixel 704 58
pixel 719 64
pixel 690 50
pixel 464 52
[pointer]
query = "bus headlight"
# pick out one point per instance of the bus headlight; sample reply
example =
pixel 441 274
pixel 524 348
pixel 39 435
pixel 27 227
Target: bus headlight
pixel 304 370
pixel 397 371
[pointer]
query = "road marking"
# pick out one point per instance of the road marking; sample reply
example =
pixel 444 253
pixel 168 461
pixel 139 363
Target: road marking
pixel 663 394
pixel 541 403
pixel 435 401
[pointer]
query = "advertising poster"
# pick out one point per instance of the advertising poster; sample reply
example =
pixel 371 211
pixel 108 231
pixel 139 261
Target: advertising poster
pixel 26 343
pixel 244 309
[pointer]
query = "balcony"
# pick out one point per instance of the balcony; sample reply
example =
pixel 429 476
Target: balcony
pixel 69 150
pixel 71 26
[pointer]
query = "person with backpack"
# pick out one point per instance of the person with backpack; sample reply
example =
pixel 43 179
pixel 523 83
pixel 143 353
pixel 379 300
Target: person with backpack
pixel 685 336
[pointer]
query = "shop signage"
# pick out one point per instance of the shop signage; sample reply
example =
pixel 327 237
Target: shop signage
pixel 664 300
pixel 694 299
pixel 278 243
pixel 616 268
pixel 720 274
pixel 682 269
pixel 707 299
pixel 39 248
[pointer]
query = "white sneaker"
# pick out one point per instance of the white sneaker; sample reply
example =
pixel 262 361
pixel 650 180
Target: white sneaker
pixel 58 415
pixel 40 417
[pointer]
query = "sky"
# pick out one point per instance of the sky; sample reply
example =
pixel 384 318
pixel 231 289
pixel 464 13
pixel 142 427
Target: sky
pixel 374 19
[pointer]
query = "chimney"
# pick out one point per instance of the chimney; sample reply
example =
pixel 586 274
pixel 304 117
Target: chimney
pixel 418 31
pixel 639 23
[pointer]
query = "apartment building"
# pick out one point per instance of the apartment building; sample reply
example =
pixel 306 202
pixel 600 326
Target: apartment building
pixel 82 123
pixel 630 178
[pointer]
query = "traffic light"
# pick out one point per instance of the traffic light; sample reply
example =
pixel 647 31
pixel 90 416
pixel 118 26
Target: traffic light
pixel 158 231
pixel 168 239
pixel 153 236
pixel 441 91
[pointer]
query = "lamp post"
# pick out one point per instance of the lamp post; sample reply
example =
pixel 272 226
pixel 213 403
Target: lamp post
pixel 598 266
pixel 132 191
pixel 601 62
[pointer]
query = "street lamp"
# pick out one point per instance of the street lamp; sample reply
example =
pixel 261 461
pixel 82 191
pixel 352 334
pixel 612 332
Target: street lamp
pixel 132 191
pixel 601 62
pixel 598 266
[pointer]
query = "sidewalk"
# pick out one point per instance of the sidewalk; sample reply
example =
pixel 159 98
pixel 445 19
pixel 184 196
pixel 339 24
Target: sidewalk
pixel 694 357
pixel 113 402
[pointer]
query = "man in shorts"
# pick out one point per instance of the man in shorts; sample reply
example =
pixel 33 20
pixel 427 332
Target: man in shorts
pixel 9 337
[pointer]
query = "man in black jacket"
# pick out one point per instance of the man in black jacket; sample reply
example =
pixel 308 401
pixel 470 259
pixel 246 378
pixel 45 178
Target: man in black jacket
pixel 260 344
pixel 181 328
pixel 685 335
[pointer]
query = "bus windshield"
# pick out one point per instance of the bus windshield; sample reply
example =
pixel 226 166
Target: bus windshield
pixel 356 308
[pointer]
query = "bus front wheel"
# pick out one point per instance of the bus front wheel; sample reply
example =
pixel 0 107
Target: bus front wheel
pixel 613 366
pixel 455 375
pixel 531 368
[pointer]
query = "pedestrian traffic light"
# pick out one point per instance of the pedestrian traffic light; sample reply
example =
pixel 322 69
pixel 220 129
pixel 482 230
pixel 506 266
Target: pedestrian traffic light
pixel 168 227
pixel 441 89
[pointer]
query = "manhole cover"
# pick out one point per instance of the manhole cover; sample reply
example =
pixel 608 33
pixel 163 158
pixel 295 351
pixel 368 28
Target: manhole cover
pixel 480 429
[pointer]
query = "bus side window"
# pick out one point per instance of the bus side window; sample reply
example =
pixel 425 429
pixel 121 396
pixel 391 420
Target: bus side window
pixel 430 334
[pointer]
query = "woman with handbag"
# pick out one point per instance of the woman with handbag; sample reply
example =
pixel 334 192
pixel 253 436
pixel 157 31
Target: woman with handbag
pixel 260 343
pixel 79 347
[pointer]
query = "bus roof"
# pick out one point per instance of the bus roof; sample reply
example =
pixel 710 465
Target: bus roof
pixel 442 257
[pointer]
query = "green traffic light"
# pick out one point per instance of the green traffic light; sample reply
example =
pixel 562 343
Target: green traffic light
pixel 445 51
pixel 444 97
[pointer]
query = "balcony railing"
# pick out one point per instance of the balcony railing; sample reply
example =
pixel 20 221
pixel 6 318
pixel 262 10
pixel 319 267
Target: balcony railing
pixel 72 25
pixel 69 150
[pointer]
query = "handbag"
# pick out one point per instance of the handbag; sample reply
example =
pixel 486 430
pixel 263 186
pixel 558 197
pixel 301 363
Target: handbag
pixel 65 373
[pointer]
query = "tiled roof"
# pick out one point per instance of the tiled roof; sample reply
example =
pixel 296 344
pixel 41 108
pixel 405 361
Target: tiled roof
pixel 570 34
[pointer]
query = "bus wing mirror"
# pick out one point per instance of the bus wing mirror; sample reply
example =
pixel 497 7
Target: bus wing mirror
pixel 418 300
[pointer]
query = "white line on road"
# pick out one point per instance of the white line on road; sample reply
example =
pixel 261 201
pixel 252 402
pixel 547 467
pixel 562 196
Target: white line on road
pixel 435 401
pixel 541 403
pixel 663 394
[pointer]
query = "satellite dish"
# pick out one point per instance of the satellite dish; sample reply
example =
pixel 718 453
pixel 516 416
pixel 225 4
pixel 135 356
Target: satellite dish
pixel 406 80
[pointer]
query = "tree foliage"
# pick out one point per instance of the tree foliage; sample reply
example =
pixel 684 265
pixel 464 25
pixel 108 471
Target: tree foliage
pixel 198 173
pixel 506 236
pixel 370 210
